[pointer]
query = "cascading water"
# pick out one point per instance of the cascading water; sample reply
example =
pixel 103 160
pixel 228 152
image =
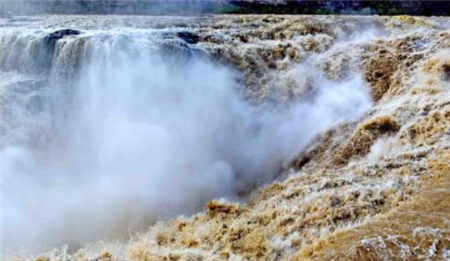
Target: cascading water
pixel 109 130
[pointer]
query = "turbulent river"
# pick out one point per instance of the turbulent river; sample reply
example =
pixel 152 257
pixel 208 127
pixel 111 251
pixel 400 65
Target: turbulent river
pixel 110 124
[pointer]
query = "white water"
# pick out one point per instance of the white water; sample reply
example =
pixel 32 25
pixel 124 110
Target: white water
pixel 118 133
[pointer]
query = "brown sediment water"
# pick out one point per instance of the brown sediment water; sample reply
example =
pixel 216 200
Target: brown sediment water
pixel 416 230
pixel 374 188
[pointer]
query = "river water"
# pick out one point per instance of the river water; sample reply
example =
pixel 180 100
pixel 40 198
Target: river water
pixel 109 124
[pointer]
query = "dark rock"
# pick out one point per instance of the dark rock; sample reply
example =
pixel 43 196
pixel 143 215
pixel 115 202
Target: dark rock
pixel 189 37
pixel 446 71
pixel 50 44
pixel 180 52
pixel 55 36
pixel 51 39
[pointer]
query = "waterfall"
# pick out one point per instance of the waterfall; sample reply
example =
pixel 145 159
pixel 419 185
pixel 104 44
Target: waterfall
pixel 104 131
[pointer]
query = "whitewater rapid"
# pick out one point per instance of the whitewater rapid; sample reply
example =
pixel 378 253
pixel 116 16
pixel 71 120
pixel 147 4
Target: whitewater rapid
pixel 107 130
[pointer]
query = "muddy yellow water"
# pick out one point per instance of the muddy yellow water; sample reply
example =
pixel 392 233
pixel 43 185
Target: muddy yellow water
pixel 417 230
pixel 377 188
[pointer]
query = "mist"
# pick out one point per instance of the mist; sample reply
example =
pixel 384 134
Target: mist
pixel 123 7
pixel 127 134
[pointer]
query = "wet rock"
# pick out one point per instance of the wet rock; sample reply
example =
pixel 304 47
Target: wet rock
pixel 189 37
pixel 49 44
pixel 55 36
pixel 180 52
pixel 446 70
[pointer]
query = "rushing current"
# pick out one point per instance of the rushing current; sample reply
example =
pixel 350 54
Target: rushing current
pixel 105 130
